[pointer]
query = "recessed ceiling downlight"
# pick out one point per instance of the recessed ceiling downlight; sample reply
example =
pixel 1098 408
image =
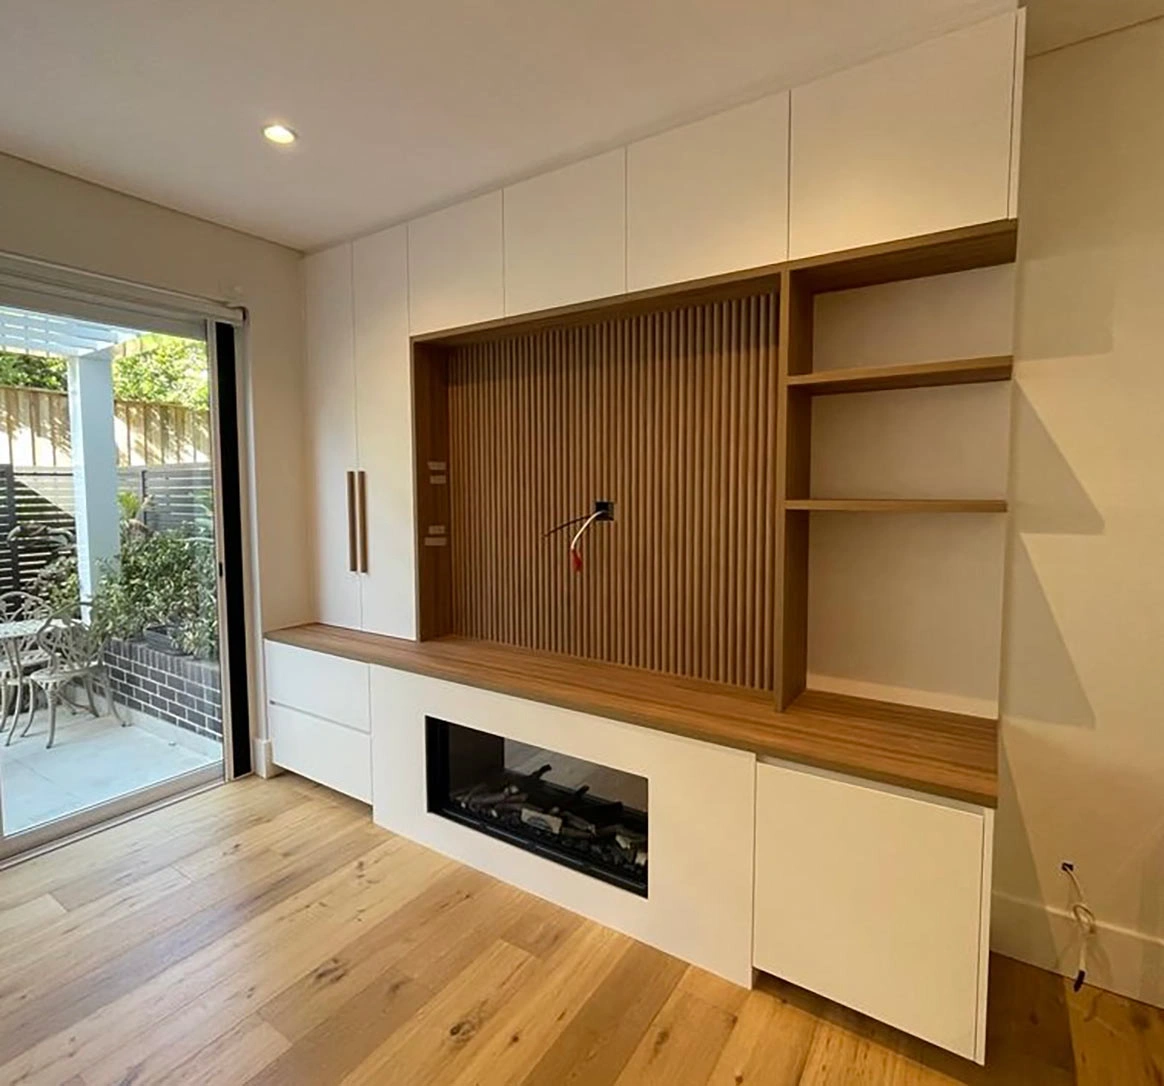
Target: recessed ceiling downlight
pixel 280 133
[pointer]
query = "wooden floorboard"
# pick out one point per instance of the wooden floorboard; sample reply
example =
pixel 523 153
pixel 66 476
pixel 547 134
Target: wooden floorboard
pixel 266 932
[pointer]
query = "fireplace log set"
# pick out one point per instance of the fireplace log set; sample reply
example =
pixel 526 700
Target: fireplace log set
pixel 603 833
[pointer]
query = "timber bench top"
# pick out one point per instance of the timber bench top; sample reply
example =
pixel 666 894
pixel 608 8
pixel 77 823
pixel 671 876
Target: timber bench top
pixel 945 754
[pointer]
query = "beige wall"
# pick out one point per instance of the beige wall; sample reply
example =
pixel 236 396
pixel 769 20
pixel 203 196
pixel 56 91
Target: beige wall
pixel 53 217
pixel 1083 685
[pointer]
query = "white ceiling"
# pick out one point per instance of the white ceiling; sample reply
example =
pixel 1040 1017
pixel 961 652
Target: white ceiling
pixel 401 105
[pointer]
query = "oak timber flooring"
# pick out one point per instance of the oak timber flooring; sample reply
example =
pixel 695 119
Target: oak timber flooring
pixel 267 932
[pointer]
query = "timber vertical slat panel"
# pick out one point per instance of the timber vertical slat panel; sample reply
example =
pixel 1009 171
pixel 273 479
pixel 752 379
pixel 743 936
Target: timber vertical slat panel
pixel 669 415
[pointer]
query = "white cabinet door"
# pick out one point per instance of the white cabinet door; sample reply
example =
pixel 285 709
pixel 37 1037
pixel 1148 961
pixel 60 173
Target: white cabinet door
pixel 709 197
pixel 331 429
pixel 565 235
pixel 383 393
pixel 455 265
pixel 877 898
pixel 911 143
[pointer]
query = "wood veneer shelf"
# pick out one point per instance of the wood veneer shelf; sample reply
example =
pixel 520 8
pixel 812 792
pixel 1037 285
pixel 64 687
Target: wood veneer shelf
pixel 946 754
pixel 961 371
pixel 896 505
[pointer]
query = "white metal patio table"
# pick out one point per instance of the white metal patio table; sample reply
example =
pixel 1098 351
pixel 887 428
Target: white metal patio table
pixel 13 635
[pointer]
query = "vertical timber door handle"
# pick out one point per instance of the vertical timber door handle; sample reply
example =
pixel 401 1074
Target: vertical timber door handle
pixel 362 519
pixel 353 563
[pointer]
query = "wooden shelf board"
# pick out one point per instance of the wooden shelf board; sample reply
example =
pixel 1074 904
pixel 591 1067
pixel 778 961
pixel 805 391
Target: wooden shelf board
pixel 962 371
pixel 896 505
pixel 962 249
pixel 944 754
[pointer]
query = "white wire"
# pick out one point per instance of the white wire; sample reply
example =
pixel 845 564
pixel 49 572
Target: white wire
pixel 1084 919
pixel 585 524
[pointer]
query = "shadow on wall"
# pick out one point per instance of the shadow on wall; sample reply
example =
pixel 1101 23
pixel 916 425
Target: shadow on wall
pixel 1064 304
pixel 1021 924
pixel 1046 496
pixel 1040 680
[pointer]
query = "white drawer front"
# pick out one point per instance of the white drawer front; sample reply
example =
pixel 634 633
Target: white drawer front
pixel 332 755
pixel 873 897
pixel 313 682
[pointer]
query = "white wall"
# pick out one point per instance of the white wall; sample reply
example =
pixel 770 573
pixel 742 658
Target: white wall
pixel 53 217
pixel 1083 689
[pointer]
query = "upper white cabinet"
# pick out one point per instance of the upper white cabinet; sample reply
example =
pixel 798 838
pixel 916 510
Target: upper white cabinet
pixel 565 235
pixel 331 429
pixel 877 898
pixel 455 265
pixel 383 404
pixel 908 144
pixel 709 197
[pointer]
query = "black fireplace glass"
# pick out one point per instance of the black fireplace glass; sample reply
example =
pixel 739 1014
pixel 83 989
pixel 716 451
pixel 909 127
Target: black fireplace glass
pixel 581 814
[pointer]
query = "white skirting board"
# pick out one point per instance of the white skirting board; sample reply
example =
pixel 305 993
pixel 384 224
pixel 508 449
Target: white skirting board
pixel 1119 959
pixel 699 905
pixel 263 760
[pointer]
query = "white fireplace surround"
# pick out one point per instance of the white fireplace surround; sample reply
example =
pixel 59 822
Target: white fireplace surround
pixel 699 903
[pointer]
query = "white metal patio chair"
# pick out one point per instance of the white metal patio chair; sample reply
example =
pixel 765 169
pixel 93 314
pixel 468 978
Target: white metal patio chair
pixel 21 655
pixel 75 654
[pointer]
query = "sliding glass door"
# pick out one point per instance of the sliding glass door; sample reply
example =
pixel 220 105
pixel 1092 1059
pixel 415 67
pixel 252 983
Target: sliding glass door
pixel 111 564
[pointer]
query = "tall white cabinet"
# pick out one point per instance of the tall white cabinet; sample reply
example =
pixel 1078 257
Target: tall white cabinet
pixel 359 382
pixel 331 430
pixel 383 398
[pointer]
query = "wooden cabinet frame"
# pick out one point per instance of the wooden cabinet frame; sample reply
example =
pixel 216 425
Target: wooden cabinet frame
pixel 798 282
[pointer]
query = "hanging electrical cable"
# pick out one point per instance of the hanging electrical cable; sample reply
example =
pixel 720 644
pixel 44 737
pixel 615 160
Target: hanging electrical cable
pixel 575 553
pixel 603 510
pixel 1084 919
pixel 565 524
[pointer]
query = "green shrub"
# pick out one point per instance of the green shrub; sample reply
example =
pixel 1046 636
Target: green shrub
pixel 130 503
pixel 160 579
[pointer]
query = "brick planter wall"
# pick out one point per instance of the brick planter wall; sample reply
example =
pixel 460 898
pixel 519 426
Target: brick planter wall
pixel 170 687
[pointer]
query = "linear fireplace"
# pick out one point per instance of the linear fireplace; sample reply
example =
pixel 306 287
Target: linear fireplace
pixel 581 814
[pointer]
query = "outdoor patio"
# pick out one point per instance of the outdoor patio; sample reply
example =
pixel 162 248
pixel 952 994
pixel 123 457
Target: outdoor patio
pixel 106 497
pixel 92 761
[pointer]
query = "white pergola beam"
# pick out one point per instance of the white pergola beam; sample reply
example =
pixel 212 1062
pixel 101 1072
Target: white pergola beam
pixel 43 333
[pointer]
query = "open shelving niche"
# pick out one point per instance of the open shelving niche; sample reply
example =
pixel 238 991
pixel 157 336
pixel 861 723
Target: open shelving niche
pixel 967 743
pixel 799 384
